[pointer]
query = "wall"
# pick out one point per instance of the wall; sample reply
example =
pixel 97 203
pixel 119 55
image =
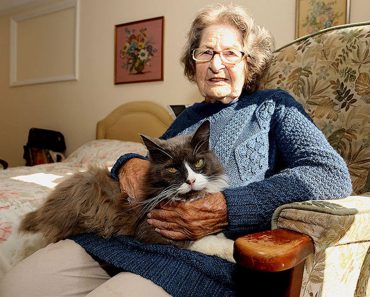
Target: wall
pixel 74 107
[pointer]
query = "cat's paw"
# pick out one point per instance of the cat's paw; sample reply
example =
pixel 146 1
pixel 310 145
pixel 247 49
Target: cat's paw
pixel 215 245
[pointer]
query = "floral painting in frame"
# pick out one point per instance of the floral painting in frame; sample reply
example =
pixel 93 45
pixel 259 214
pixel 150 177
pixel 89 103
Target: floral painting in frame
pixel 315 15
pixel 139 51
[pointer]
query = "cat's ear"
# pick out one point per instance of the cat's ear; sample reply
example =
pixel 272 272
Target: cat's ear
pixel 200 140
pixel 156 152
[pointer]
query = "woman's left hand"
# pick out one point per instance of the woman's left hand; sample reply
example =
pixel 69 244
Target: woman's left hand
pixel 190 220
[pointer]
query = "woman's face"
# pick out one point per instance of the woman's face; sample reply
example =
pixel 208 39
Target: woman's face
pixel 216 80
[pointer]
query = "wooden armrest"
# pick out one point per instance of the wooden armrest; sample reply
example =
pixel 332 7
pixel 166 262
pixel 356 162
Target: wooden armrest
pixel 273 250
pixel 277 258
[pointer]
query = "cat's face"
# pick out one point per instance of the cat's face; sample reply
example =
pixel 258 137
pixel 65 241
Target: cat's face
pixel 184 165
pixel 187 171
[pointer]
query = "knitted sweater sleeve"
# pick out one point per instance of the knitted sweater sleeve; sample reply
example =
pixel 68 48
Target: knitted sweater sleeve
pixel 312 170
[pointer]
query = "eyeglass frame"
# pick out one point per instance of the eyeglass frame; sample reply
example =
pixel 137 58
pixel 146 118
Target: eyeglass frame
pixel 244 54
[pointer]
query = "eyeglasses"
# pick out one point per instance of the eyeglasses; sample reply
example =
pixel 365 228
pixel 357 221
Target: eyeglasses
pixel 229 56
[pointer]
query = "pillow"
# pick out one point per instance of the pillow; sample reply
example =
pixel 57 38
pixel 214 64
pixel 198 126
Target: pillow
pixel 104 152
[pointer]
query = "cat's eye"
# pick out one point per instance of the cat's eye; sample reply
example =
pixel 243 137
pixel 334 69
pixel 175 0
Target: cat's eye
pixel 199 163
pixel 171 169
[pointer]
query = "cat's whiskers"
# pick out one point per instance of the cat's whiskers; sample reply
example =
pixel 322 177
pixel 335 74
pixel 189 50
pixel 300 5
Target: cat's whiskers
pixel 147 205
pixel 166 153
pixel 198 146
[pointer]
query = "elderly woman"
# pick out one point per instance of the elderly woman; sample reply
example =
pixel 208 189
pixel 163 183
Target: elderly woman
pixel 270 149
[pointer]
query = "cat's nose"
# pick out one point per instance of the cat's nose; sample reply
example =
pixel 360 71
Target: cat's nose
pixel 190 181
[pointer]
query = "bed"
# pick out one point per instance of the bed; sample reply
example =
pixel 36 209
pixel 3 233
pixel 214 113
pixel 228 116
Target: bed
pixel 22 189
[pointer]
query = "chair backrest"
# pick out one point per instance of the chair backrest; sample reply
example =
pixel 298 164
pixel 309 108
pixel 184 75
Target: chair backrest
pixel 329 73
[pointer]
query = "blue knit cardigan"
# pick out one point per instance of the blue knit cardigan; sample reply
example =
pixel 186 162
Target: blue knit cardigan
pixel 272 153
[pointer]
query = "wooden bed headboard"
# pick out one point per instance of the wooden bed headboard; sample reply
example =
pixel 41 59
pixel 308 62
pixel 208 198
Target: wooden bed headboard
pixel 128 120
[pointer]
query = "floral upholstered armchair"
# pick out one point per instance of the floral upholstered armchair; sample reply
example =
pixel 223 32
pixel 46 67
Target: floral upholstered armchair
pixel 329 73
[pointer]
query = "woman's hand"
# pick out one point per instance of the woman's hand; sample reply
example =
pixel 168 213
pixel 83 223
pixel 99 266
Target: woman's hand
pixel 131 177
pixel 192 219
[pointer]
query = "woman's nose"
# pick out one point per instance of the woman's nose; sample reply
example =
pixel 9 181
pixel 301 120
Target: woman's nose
pixel 216 63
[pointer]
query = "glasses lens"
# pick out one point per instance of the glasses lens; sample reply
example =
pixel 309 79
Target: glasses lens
pixel 202 55
pixel 228 56
pixel 232 56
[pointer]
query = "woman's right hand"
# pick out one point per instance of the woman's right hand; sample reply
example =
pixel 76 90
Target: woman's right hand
pixel 131 177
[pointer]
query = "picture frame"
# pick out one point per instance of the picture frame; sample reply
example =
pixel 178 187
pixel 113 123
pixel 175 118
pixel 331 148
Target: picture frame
pixel 315 15
pixel 33 59
pixel 138 53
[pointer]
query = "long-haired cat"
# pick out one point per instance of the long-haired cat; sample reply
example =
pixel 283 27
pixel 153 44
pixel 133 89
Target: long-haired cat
pixel 181 168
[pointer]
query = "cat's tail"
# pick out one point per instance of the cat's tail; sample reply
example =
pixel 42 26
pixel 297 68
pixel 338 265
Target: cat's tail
pixel 78 204
pixel 54 224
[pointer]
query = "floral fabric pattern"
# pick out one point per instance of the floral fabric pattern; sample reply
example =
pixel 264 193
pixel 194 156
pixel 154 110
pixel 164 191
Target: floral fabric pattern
pixel 329 74
pixel 104 152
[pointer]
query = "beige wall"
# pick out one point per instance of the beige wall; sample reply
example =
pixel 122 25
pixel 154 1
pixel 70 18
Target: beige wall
pixel 74 107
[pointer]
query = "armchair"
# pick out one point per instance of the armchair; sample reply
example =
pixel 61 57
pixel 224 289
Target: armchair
pixel 322 248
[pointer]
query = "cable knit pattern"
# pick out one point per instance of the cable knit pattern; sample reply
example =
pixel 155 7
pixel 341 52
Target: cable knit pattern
pixel 224 142
pixel 253 150
pixel 273 155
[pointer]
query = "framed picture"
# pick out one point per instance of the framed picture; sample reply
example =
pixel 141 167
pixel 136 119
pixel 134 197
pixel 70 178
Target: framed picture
pixel 139 51
pixel 315 15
